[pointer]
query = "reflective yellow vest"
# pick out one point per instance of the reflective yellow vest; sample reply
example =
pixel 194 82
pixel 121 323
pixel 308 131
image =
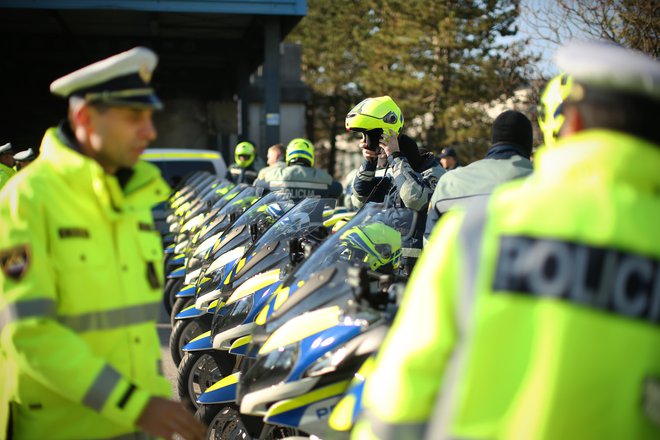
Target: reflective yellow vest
pixel 5 173
pixel 539 318
pixel 80 289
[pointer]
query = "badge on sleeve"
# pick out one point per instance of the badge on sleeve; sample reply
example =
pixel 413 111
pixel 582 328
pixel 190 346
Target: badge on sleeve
pixel 15 261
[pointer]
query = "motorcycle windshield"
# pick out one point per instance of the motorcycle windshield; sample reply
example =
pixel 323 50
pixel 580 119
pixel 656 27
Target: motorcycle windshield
pixel 207 198
pixel 337 249
pixel 212 193
pixel 273 247
pixel 228 197
pixel 236 206
pixel 263 213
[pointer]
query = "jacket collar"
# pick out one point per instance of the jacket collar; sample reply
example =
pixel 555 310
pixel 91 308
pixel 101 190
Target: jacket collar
pixel 602 156
pixel 144 188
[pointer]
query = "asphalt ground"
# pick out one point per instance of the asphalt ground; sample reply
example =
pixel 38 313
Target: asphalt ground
pixel 164 330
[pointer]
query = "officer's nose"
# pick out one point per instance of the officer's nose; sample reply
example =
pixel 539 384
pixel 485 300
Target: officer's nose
pixel 149 129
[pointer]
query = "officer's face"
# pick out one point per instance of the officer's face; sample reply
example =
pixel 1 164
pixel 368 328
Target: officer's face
pixel 118 135
pixel 273 156
pixel 448 162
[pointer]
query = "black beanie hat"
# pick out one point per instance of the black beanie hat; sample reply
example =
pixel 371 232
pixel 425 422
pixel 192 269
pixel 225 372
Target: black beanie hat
pixel 512 127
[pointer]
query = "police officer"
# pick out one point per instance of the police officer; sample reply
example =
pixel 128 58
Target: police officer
pixel 413 175
pixel 80 269
pixel 508 158
pixel 299 177
pixel 244 169
pixel 23 158
pixel 536 313
pixel 448 159
pixel 6 163
pixel 274 159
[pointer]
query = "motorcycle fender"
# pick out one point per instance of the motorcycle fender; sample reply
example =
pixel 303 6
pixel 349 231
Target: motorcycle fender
pixel 240 346
pixel 215 304
pixel 223 391
pixel 178 260
pixel 179 272
pixel 186 291
pixel 190 313
pixel 200 343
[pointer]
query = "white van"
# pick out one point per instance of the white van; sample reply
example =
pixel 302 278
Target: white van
pixel 177 163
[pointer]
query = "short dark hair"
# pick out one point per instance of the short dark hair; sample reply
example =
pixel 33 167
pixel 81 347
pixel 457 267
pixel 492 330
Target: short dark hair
pixel 632 114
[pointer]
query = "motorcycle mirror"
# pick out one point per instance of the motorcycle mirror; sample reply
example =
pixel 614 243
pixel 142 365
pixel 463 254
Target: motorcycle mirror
pixel 296 253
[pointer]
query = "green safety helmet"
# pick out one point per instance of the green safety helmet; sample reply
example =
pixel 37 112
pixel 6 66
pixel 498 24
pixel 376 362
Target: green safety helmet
pixel 300 149
pixel 375 113
pixel 244 149
pixel 380 244
pixel 550 116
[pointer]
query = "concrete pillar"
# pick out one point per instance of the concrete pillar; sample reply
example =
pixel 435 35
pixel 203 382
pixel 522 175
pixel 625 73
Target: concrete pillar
pixel 271 82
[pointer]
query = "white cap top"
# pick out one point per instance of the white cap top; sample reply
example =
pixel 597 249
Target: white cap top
pixel 6 148
pixel 609 66
pixel 24 155
pixel 122 79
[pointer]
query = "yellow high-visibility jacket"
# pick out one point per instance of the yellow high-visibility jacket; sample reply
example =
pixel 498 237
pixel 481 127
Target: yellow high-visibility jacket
pixel 5 173
pixel 80 291
pixel 537 316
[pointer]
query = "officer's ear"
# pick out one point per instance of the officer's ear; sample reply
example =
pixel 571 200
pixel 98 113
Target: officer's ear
pixel 573 121
pixel 79 113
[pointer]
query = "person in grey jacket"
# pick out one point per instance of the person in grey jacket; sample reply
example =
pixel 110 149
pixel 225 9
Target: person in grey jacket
pixel 298 177
pixel 506 159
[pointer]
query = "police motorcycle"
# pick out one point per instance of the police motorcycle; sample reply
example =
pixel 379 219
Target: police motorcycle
pixel 358 251
pixel 175 207
pixel 219 251
pixel 212 189
pixel 188 238
pixel 193 271
pixel 208 232
pixel 163 209
pixel 275 254
pixel 181 201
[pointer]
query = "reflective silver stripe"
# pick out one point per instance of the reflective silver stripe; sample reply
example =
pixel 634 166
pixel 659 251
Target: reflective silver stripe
pixel 390 431
pixel 290 184
pixel 108 319
pixel 470 238
pixel 32 308
pixel 159 366
pixel 411 252
pixel 444 205
pixel 101 389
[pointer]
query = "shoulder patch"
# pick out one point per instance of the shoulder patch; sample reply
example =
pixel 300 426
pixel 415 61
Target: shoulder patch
pixel 15 261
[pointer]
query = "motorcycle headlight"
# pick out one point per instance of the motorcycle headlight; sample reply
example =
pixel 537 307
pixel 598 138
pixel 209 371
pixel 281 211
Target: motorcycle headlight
pixel 268 370
pixel 235 315
pixel 327 363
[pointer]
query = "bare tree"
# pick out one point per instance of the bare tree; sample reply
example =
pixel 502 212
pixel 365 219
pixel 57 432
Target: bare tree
pixel 630 23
